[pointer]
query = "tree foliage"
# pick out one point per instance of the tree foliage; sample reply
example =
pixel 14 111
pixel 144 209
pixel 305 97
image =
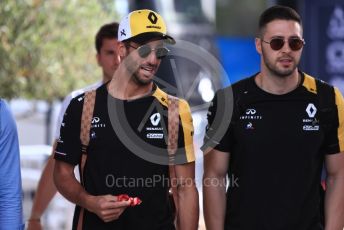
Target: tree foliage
pixel 47 46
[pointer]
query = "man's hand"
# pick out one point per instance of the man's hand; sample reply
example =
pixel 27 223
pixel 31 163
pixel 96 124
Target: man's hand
pixel 34 224
pixel 107 207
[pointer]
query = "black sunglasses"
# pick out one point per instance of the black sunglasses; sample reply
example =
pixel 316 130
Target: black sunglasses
pixel 145 50
pixel 294 43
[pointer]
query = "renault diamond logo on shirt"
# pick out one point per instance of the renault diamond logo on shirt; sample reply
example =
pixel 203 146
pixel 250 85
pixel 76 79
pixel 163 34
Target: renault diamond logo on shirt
pixel 155 119
pixel 311 110
pixel 250 111
pixel 311 123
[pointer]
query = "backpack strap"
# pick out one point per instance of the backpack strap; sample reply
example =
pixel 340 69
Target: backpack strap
pixel 172 146
pixel 173 127
pixel 327 102
pixel 86 120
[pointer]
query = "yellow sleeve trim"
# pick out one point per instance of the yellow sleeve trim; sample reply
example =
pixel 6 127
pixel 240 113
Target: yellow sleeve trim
pixel 161 96
pixel 186 122
pixel 340 108
pixel 188 130
pixel 310 84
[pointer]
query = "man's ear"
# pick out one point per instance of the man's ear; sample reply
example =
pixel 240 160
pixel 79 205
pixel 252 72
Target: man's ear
pixel 122 50
pixel 258 45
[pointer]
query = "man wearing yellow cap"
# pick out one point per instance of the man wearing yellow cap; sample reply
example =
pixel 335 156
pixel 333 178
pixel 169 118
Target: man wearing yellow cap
pixel 140 143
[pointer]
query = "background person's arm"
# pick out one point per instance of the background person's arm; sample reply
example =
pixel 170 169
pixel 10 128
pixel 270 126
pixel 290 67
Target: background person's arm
pixel 188 210
pixel 46 189
pixel 45 192
pixel 214 188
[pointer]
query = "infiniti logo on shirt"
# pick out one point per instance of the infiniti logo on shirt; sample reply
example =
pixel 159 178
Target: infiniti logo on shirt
pixel 95 120
pixel 250 111
pixel 251 114
pixel 96 123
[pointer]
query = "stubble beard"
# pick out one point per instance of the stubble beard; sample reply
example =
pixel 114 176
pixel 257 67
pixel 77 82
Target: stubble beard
pixel 279 72
pixel 133 69
pixel 140 81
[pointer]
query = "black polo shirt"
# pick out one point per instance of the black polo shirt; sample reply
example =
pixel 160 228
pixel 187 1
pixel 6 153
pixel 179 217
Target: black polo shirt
pixel 277 146
pixel 127 154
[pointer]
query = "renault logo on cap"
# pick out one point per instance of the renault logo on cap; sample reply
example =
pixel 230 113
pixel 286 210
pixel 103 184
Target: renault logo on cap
pixel 152 18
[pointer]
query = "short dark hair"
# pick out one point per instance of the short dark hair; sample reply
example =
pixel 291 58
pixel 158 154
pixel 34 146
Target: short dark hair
pixel 109 31
pixel 278 12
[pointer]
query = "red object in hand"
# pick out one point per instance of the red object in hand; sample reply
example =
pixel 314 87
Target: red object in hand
pixel 133 200
pixel 123 197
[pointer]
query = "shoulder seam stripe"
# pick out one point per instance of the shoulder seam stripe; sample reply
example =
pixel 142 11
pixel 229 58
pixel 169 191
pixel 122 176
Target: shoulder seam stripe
pixel 187 126
pixel 340 109
pixel 309 84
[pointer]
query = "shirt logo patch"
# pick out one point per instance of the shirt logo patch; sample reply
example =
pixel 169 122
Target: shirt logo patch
pixel 251 111
pixel 95 120
pixel 155 135
pixel 311 128
pixel 93 135
pixel 311 110
pixel 251 114
pixel 155 119
pixel 249 126
pixel 96 123
pixel 155 131
pixel 311 123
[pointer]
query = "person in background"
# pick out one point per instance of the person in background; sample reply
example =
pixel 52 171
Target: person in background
pixel 106 46
pixel 11 211
pixel 285 125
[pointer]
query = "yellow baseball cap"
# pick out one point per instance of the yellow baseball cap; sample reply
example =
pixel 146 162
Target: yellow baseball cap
pixel 143 22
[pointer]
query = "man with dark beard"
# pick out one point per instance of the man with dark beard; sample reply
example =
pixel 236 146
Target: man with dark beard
pixel 128 155
pixel 284 125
